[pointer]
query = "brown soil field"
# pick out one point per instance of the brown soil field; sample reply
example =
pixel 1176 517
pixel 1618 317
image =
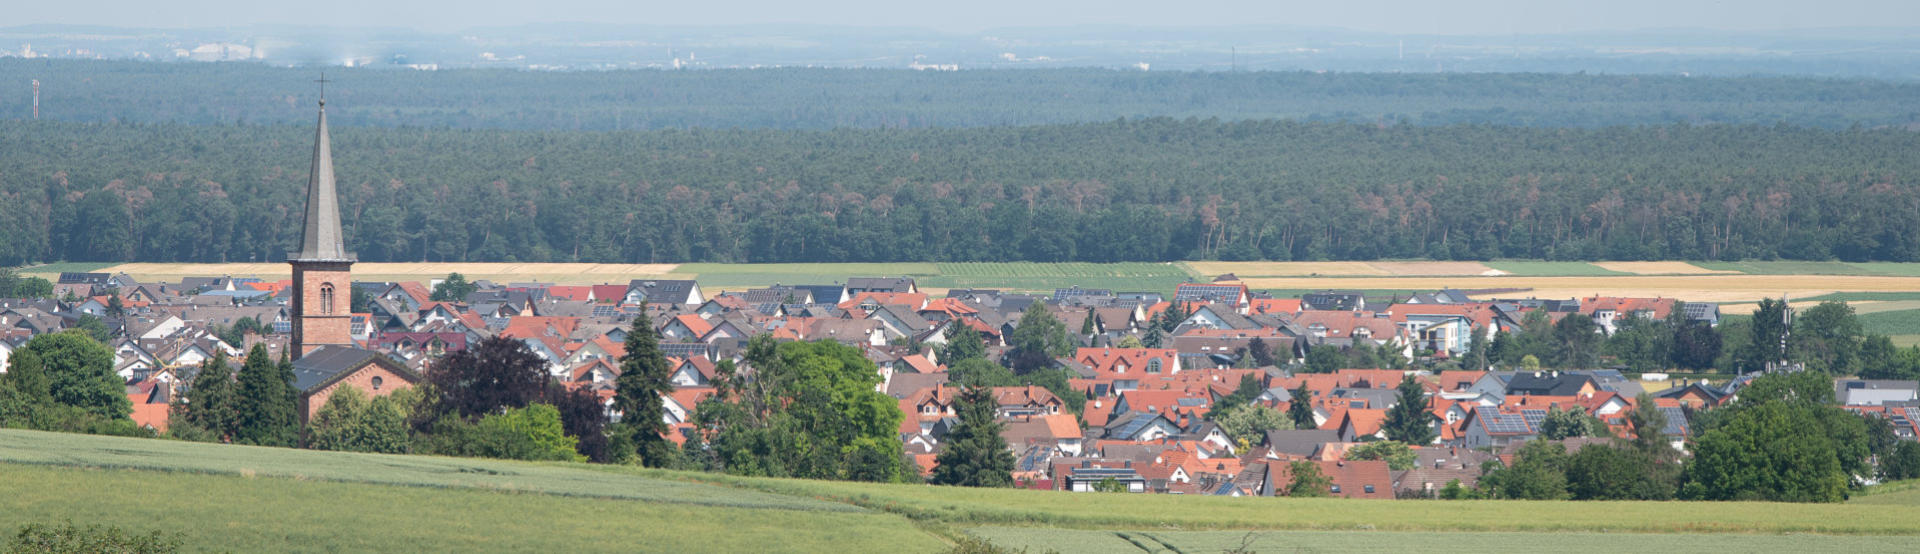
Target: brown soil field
pixel 1659 268
pixel 1285 269
pixel 563 273
pixel 1697 288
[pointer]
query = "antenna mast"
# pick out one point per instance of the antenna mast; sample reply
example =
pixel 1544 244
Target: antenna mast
pixel 36 99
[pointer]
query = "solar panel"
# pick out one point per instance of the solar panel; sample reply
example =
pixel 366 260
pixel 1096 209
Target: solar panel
pixel 1534 417
pixel 606 311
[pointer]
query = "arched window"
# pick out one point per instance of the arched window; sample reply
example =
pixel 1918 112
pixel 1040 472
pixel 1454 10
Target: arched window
pixel 326 298
pixel 1153 365
pixel 377 381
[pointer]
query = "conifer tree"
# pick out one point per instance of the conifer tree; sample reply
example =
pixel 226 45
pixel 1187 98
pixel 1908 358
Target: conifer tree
pixel 1409 420
pixel 644 377
pixel 976 455
pixel 265 407
pixel 209 402
pixel 1301 409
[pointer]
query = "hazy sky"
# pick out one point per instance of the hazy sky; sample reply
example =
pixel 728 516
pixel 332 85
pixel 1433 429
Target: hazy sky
pixel 1395 16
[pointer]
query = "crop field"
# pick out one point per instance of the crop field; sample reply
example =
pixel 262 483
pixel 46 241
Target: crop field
pixel 1539 269
pixel 1099 542
pixel 357 502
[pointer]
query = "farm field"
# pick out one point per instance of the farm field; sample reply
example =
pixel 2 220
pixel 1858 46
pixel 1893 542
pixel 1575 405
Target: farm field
pixel 1097 542
pixel 422 502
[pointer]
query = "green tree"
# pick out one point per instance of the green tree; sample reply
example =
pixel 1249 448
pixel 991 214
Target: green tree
pixel 533 432
pixel 1902 463
pixel 454 288
pixel 1479 350
pixel 1576 342
pixel 80 373
pixel 1038 339
pixel 975 455
pixel 350 422
pixel 978 372
pixel 1538 473
pixel 644 378
pixel 1262 354
pixel 1608 472
pixel 1766 452
pixel 1308 481
pixel 1767 341
pixel 209 404
pixel 1251 423
pixel 1397 455
pixel 809 410
pixel 1410 420
pixel 1648 424
pixel 94 327
pixel 1300 409
pixel 1324 358
pixel 1827 337
pixel 266 410
pixel 963 343
pixel 1087 327
pixel 1561 424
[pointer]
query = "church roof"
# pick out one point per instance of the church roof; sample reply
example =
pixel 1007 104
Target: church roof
pixel 327 364
pixel 321 239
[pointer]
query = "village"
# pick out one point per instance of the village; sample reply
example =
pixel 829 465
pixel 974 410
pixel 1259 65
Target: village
pixel 1147 369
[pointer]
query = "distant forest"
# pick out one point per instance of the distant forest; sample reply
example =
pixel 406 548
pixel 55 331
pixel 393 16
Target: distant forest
pixel 1133 190
pixel 816 98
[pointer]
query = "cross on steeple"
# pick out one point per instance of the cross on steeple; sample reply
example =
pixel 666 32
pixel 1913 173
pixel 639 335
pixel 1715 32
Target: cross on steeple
pixel 323 87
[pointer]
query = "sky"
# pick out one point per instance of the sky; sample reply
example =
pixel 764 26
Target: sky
pixel 1453 17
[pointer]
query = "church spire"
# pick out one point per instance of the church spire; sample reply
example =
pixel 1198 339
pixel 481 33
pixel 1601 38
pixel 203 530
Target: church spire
pixel 321 239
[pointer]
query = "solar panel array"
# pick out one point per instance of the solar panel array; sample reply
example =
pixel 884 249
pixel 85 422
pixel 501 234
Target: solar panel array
pixel 1497 422
pixel 1059 294
pixel 1676 420
pixel 606 311
pixel 1534 417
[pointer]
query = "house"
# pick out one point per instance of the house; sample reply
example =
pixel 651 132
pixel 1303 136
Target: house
pixel 691 372
pixel 1551 383
pixel 663 292
pixel 857 285
pixel 324 370
pixel 1348 479
pixel 1333 301
pixel 1874 392
pixel 1233 295
pixel 1491 427
pixel 1088 474
pixel 1059 431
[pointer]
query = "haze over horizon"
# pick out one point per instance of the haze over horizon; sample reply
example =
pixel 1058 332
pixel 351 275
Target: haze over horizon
pixel 1461 17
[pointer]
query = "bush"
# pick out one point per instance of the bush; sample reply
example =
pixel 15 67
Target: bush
pixel 349 422
pixel 530 433
pixel 35 537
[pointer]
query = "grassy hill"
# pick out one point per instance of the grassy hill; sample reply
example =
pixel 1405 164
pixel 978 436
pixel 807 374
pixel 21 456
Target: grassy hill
pixel 265 499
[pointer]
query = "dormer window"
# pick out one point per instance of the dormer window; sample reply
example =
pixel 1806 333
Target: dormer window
pixel 1153 365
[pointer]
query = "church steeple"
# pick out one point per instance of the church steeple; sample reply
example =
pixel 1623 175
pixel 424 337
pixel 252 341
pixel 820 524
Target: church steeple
pixel 322 268
pixel 321 238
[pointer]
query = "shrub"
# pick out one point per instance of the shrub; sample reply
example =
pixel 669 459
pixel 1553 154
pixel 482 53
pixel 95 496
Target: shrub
pixel 37 538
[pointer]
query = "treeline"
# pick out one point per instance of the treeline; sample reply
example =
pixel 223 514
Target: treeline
pixel 1127 190
pixel 819 98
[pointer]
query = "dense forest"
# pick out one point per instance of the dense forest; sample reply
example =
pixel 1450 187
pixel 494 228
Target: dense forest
pixel 1152 189
pixel 816 98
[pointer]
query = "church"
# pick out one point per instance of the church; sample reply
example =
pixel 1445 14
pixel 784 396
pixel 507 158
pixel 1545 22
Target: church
pixel 325 357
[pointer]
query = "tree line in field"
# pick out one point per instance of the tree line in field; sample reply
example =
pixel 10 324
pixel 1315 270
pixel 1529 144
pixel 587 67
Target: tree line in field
pixel 1136 190
pixel 819 98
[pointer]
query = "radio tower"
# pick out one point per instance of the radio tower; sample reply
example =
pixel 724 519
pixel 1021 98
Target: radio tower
pixel 36 99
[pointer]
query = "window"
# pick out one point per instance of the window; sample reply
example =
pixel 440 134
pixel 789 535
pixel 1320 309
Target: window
pixel 326 298
pixel 1369 489
pixel 1336 489
pixel 1153 365
pixel 377 381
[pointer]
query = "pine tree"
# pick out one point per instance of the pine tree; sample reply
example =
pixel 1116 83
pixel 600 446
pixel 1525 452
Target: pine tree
pixel 1410 420
pixel 209 402
pixel 1262 354
pixel 1087 325
pixel 976 455
pixel 644 377
pixel 265 409
pixel 1301 409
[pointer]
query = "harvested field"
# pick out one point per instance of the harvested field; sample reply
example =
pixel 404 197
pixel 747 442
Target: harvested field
pixel 1660 268
pixel 1696 288
pixel 1285 269
pixel 1413 269
pixel 565 273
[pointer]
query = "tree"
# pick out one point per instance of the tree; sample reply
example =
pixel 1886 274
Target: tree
pixel 1902 463
pixel 533 432
pixel 585 419
pixel 1538 473
pixel 1609 472
pixel 1479 350
pixel 1561 424
pixel 808 410
pixel 210 403
pixel 94 327
pixel 1696 345
pixel 1154 338
pixel 976 455
pixel 978 372
pixel 1300 409
pixel 1397 455
pixel 454 288
pixel 490 376
pixel 1766 452
pixel 1038 339
pixel 266 409
pixel 963 343
pixel 1308 481
pixel 1262 354
pixel 360 300
pixel 349 422
pixel 12 285
pixel 1324 358
pixel 1251 423
pixel 79 373
pixel 1131 342
pixel 1768 339
pixel 644 379
pixel 1648 424
pixel 1410 420
pixel 1087 327
pixel 1576 342
pixel 1827 337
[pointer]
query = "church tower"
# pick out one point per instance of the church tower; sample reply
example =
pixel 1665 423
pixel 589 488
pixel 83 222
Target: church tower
pixel 322 268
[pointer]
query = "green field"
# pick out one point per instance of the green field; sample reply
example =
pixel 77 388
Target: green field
pixel 1901 322
pixel 1128 276
pixel 1099 542
pixel 277 500
pixel 760 275
pixel 1551 269
pixel 1816 268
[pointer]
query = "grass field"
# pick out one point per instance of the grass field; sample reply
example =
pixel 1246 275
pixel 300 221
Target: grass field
pixel 262 499
pixel 1099 542
pixel 1542 269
